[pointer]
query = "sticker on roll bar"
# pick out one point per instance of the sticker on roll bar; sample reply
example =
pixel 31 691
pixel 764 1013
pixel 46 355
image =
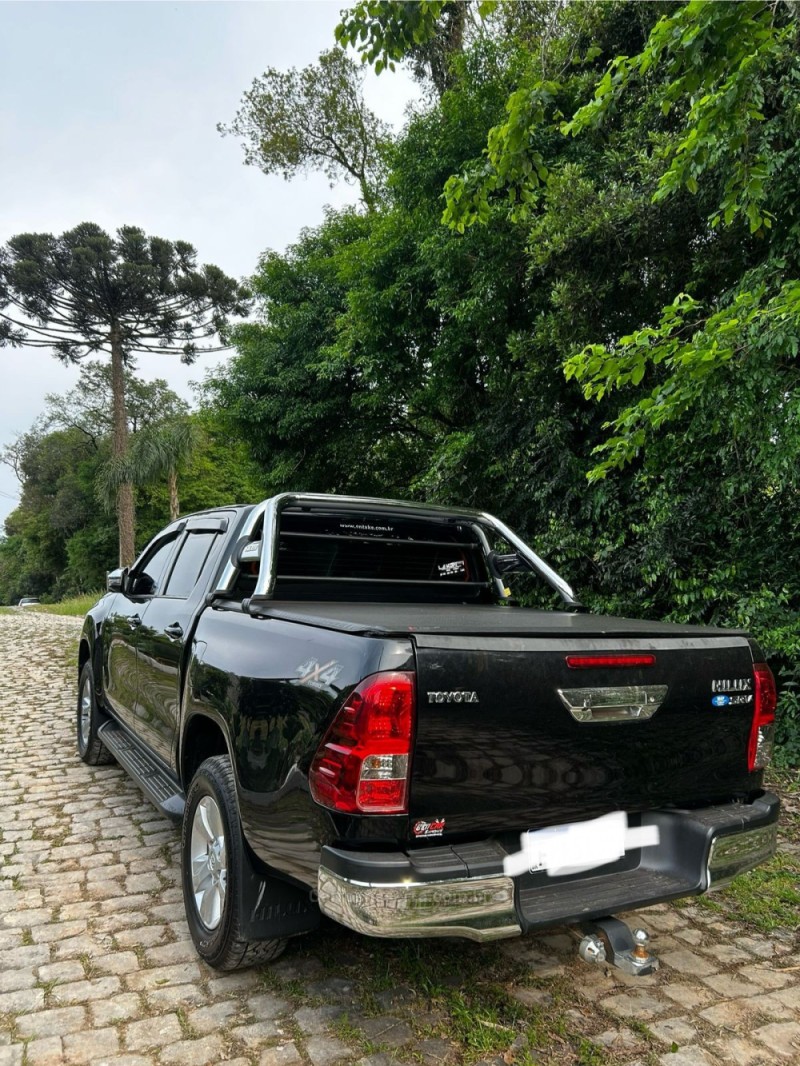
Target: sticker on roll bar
pixel 578 846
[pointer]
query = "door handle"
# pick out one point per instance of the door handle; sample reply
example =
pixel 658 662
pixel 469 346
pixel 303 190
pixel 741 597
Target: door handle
pixel 134 621
pixel 174 631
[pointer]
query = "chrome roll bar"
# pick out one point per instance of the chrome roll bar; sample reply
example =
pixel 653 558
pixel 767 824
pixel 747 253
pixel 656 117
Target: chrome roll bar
pixel 267 515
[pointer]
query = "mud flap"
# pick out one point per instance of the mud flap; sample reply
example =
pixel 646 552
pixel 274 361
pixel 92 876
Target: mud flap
pixel 271 908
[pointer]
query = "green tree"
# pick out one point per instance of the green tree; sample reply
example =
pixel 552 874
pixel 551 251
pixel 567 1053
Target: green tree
pixel 313 119
pixel 86 292
pixel 427 34
pixel 155 452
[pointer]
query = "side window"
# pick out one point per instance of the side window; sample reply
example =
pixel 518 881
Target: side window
pixel 150 574
pixel 189 565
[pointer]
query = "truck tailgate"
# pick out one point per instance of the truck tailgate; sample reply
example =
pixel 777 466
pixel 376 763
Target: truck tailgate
pixel 498 748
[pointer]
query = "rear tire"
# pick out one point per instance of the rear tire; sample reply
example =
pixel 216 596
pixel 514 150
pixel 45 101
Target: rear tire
pixel 212 856
pixel 90 747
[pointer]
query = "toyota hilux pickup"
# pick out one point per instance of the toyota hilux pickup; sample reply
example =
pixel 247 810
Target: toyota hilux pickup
pixel 340 702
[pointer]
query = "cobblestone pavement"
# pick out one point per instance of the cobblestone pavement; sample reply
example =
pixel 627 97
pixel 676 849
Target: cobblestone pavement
pixel 96 965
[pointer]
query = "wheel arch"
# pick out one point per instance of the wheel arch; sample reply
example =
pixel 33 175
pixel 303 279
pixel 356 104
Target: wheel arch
pixel 203 737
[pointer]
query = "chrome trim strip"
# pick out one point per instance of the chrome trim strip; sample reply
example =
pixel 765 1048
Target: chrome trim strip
pixel 477 908
pixel 735 853
pixel 620 703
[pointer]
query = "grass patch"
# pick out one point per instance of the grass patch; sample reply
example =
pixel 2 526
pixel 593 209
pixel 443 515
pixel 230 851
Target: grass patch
pixel 77 606
pixel 766 899
pixel 455 992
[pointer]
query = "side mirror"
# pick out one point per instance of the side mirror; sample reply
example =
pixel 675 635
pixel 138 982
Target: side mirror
pixel 116 580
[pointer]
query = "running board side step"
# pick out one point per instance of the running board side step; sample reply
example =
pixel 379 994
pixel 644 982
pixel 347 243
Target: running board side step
pixel 610 940
pixel 152 779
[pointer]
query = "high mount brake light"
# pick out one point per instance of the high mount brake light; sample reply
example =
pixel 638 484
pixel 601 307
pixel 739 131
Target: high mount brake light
pixel 762 731
pixel 595 662
pixel 363 764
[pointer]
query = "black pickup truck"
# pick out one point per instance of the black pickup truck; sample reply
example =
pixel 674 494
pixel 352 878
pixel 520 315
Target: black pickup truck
pixel 339 700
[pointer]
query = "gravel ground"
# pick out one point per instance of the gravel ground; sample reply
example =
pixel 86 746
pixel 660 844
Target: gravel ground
pixel 96 965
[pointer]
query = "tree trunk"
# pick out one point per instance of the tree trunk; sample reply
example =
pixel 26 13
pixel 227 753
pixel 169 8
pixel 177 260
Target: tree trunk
pixel 174 502
pixel 126 513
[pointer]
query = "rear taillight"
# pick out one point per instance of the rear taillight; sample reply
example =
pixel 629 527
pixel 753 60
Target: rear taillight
pixel 363 764
pixel 762 732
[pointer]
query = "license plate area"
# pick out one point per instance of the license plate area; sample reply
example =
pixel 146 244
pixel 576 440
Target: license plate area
pixel 577 850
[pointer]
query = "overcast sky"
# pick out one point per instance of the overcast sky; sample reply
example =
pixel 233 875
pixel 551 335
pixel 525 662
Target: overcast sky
pixel 108 114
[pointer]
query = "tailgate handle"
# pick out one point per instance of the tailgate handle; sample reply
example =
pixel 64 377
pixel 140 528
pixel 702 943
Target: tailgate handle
pixel 622 703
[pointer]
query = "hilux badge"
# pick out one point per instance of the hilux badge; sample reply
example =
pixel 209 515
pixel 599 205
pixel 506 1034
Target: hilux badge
pixel 732 684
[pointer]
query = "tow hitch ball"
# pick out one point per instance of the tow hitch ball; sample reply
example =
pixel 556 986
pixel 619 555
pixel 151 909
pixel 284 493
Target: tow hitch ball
pixel 609 940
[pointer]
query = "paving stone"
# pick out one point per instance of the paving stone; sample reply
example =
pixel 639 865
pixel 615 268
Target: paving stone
pixel 688 1056
pixel 728 953
pixel 159 976
pixel 674 1030
pixel 14 980
pixel 691 936
pixel 322 1051
pixel 202 1052
pixel 169 954
pixel 91 1045
pixel 118 963
pixel 59 1020
pixel 257 1033
pixel 741 1052
pixel 83 991
pixel 210 1019
pixel 790 997
pixel 782 1039
pixel 765 976
pixel 316 1020
pixel 643 1006
pixel 141 936
pixel 386 1030
pixel 23 999
pixel 731 1014
pixel 153 1032
pixel 689 996
pixel 46 1052
pixel 765 949
pixel 616 1039
pixel 280 1055
pixel 434 1051
pixel 173 996
pixel 28 956
pixel 266 1006
pixel 119 1009
pixel 688 963
pixel 731 985
pixel 69 970
pixel 12 1056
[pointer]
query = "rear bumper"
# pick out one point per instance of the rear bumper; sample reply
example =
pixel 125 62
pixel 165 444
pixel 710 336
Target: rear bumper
pixel 461 890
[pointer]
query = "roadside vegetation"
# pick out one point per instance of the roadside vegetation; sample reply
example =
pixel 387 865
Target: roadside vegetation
pixel 570 295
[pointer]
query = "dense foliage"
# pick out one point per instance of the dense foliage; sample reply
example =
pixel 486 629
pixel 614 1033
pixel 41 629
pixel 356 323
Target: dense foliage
pixel 576 305
pixel 61 540
pixel 571 295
